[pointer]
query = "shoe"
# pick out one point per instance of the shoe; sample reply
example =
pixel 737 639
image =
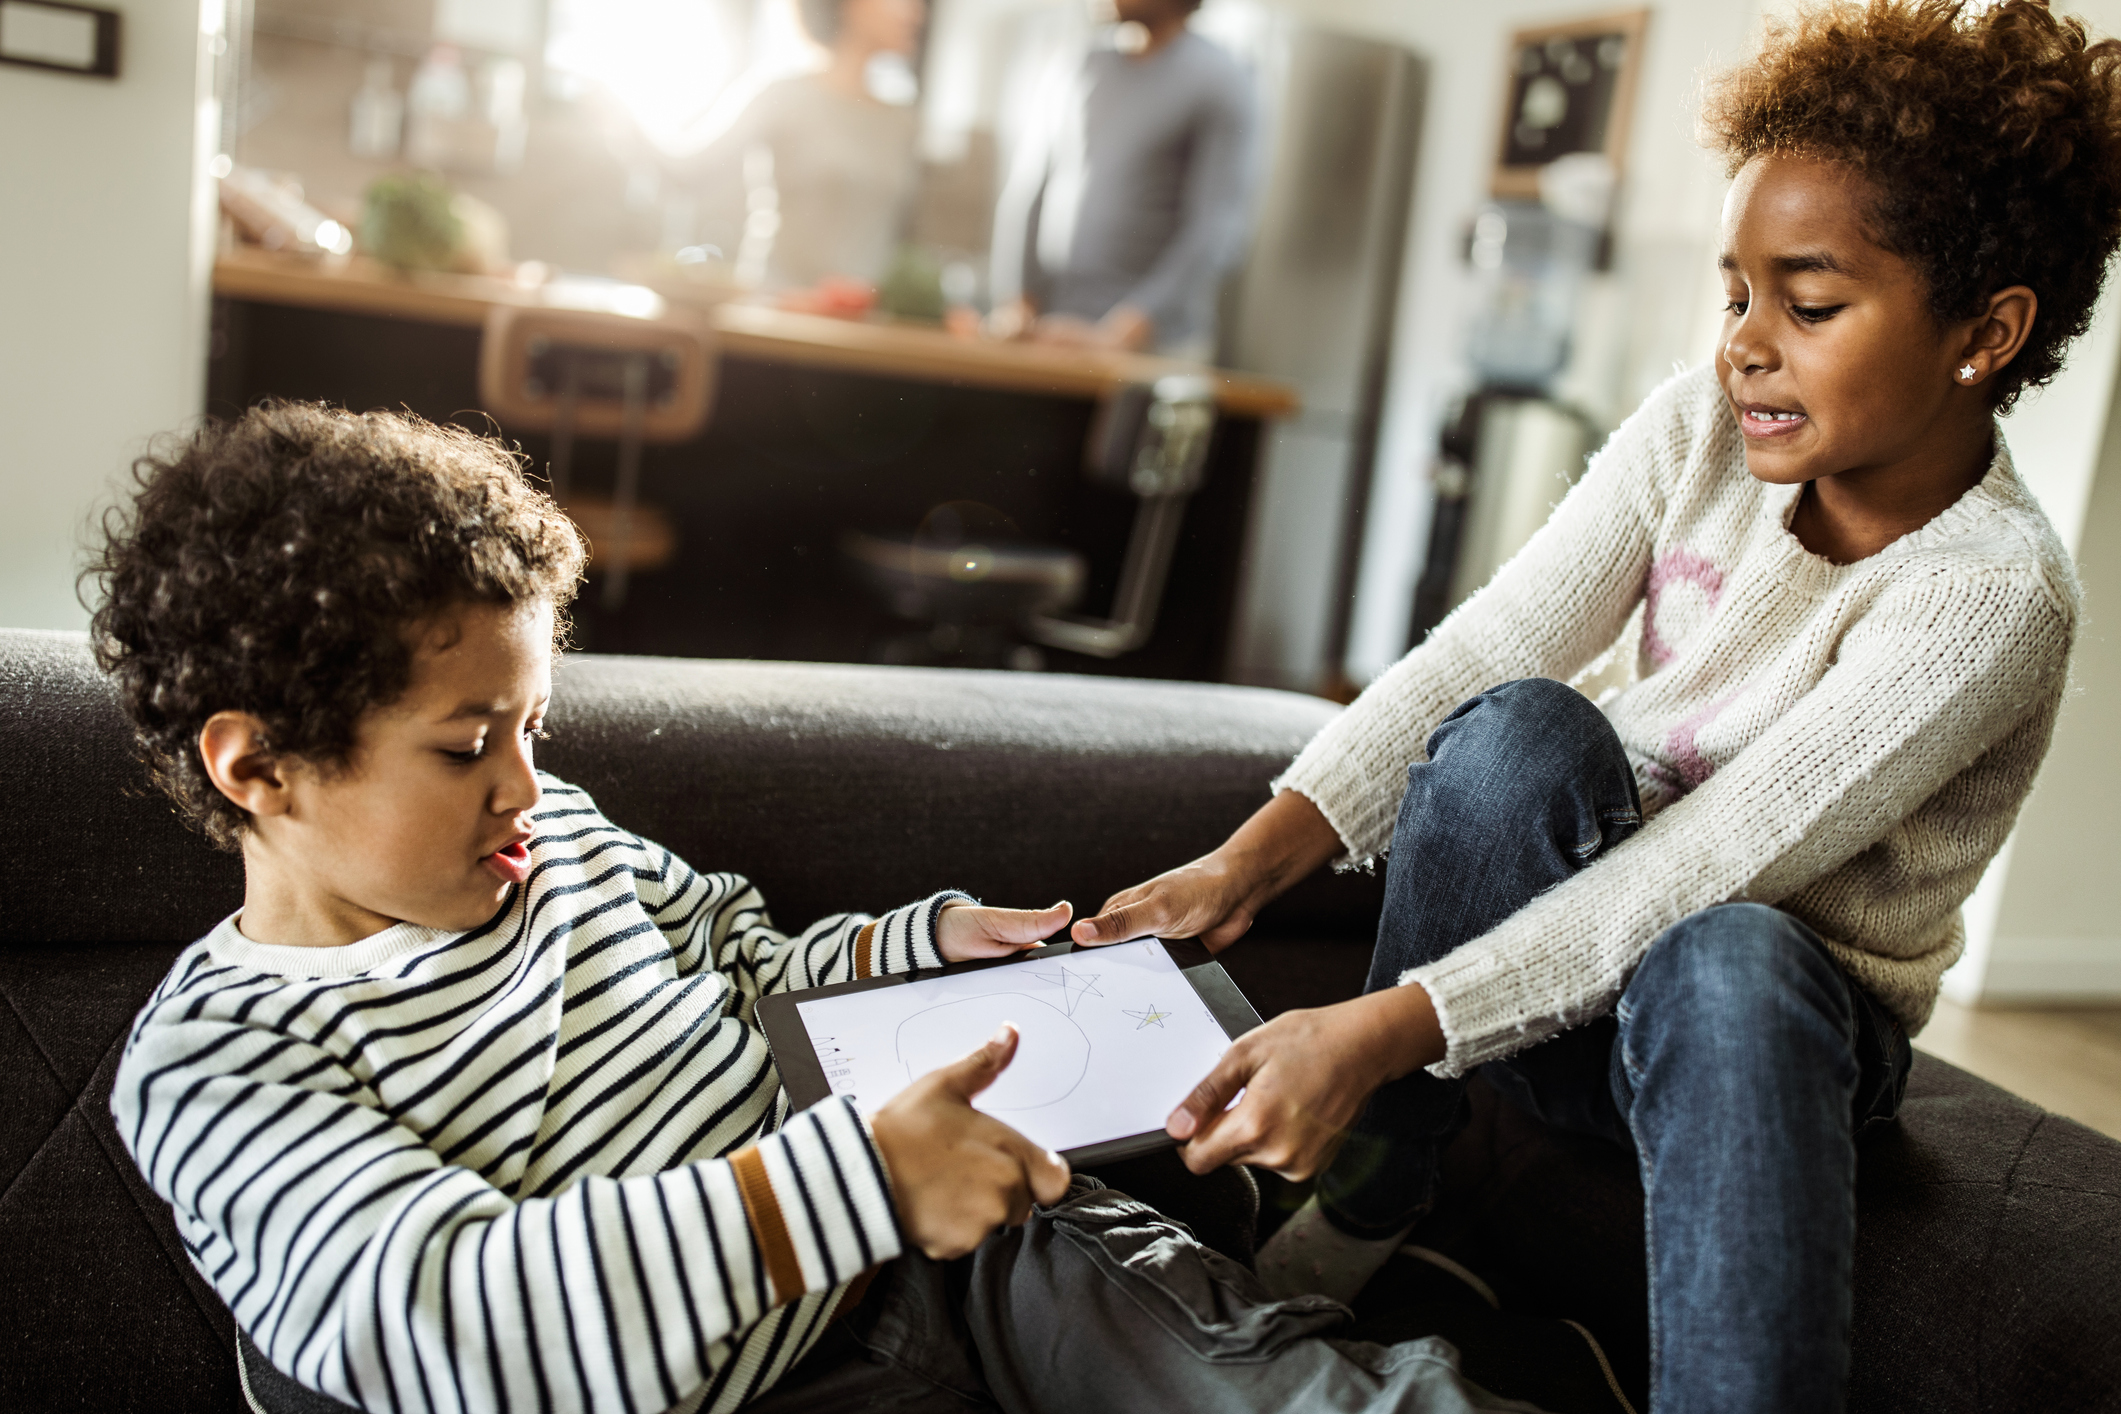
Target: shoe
pixel 1308 1256
pixel 1550 1363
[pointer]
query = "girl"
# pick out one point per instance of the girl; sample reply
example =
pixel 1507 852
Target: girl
pixel 1703 921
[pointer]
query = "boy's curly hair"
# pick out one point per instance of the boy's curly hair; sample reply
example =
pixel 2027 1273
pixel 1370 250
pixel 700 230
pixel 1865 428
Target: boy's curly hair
pixel 1991 137
pixel 275 564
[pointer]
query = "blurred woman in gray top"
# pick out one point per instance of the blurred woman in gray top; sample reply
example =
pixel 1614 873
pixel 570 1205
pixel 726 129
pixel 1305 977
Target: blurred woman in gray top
pixel 827 169
pixel 1121 216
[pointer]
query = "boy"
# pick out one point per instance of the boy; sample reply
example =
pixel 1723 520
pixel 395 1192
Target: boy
pixel 465 1108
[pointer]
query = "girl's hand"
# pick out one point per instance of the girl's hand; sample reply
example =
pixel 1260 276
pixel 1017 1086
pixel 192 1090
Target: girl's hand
pixel 1304 1078
pixel 1216 897
pixel 964 931
pixel 956 1174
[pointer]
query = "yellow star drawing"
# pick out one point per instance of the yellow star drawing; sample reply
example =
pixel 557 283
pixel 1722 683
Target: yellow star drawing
pixel 1150 1017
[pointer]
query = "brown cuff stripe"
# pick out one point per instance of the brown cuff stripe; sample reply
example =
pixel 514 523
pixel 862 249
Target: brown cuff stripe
pixel 852 1296
pixel 865 950
pixel 767 1224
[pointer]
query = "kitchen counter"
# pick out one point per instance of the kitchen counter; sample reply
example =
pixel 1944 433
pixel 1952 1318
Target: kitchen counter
pixel 819 427
pixel 881 349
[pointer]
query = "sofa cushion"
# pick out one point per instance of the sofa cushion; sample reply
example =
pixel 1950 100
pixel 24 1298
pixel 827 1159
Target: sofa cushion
pixel 1988 1247
pixel 1988 1255
pixel 99 1308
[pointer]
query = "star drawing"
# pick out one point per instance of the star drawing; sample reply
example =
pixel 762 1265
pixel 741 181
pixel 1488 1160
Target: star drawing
pixel 1150 1017
pixel 1074 986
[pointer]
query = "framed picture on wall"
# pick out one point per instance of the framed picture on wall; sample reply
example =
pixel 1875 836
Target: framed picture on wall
pixel 63 37
pixel 1570 89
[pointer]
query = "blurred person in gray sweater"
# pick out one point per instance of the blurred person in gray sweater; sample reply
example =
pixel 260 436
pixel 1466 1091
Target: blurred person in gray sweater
pixel 1123 211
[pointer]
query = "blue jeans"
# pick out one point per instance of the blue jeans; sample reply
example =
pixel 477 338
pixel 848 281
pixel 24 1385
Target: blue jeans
pixel 1738 1065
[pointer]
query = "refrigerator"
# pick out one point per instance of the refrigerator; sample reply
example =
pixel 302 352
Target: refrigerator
pixel 1314 303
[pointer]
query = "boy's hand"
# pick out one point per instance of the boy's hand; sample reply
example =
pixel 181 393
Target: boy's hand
pixel 964 931
pixel 956 1174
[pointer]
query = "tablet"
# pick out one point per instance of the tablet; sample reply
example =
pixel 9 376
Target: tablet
pixel 1112 1038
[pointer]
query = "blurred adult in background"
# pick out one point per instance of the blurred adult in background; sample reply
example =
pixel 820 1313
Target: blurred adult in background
pixel 829 169
pixel 1120 218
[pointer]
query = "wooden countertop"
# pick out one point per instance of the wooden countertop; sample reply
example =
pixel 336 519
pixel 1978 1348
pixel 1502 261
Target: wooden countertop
pixel 358 286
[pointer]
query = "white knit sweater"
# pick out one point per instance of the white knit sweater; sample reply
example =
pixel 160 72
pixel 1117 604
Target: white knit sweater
pixel 1850 743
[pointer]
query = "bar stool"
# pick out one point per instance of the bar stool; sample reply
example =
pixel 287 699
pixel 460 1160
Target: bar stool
pixel 1150 439
pixel 974 585
pixel 969 580
pixel 595 373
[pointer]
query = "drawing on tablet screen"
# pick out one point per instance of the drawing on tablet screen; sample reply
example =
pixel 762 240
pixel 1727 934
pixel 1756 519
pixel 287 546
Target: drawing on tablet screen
pixel 1110 1041
pixel 1052 1052
pixel 1074 985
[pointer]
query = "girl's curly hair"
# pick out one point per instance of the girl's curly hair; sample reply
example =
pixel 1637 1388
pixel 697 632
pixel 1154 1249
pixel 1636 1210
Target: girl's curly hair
pixel 1990 135
pixel 274 564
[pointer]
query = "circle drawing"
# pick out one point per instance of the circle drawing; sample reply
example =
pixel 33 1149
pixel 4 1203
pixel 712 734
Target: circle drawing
pixel 1052 1052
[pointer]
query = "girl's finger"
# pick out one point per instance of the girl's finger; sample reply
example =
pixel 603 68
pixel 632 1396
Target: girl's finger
pixel 1212 1096
pixel 1118 925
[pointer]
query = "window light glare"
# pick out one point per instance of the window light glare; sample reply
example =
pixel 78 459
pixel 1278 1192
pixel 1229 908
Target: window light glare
pixel 333 237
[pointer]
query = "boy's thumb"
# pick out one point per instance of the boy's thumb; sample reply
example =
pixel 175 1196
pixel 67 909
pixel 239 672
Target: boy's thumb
pixel 976 1071
pixel 1049 1177
pixel 1026 925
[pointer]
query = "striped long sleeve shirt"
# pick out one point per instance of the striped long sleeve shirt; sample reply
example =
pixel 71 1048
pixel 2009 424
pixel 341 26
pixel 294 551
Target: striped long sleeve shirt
pixel 545 1164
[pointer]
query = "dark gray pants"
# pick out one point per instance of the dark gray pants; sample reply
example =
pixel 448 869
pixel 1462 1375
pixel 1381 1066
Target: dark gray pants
pixel 1102 1304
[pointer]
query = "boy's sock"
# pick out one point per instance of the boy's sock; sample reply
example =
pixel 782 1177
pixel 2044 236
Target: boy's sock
pixel 1307 1255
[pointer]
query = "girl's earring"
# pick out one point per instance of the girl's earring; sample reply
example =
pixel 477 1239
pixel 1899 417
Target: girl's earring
pixel 1968 372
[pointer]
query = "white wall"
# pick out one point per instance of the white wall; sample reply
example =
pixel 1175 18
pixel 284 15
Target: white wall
pixel 2043 926
pixel 106 235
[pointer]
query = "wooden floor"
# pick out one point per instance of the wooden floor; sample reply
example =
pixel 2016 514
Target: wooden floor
pixel 2068 1061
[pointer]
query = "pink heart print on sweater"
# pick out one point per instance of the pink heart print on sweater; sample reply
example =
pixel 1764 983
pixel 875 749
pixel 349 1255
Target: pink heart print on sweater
pixel 1683 569
pixel 1694 768
pixel 1673 569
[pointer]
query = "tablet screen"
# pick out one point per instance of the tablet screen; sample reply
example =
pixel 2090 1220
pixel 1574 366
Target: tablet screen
pixel 1113 1039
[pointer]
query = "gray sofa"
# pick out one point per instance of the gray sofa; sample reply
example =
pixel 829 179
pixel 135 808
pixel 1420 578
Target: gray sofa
pixel 1988 1271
